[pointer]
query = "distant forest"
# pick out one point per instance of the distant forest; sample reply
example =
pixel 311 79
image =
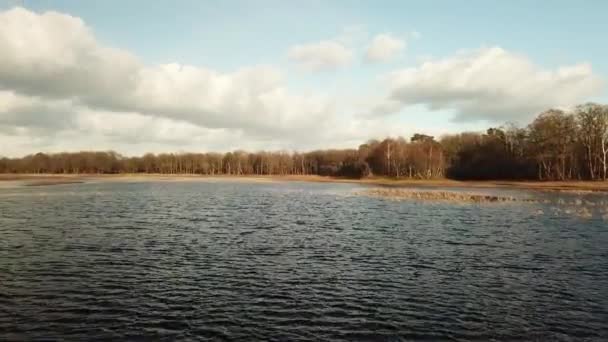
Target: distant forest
pixel 557 145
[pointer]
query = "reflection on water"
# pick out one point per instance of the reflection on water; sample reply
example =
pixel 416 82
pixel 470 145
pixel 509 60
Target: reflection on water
pixel 295 261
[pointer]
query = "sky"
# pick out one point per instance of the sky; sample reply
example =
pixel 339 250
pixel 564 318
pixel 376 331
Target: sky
pixel 196 76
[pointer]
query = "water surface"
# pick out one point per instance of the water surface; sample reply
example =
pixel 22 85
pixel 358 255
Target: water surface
pixel 293 261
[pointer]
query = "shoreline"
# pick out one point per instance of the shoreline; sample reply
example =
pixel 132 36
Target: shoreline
pixel 57 179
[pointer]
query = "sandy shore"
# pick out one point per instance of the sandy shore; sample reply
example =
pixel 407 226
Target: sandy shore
pixel 51 179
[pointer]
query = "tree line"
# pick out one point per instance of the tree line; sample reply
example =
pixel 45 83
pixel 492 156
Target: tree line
pixel 557 145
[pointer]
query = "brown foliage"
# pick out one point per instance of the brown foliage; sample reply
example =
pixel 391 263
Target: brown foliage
pixel 557 145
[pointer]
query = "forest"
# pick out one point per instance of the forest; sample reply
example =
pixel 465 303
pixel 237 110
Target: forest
pixel 557 145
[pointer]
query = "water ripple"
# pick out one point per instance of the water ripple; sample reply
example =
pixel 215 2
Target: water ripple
pixel 291 262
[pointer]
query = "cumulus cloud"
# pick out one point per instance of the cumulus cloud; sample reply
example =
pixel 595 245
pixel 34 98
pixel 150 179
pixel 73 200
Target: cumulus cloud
pixel 321 56
pixel 61 89
pixel 18 112
pixel 490 84
pixel 55 56
pixel 383 48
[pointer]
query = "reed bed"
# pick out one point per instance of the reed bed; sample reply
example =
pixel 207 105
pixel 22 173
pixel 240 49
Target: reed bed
pixel 449 196
pixel 583 209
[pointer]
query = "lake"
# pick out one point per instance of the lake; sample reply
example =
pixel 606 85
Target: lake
pixel 224 260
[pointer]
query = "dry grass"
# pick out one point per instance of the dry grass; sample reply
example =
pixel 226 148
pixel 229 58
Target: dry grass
pixel 450 196
pixel 582 209
pixel 35 177
pixel 40 179
pixel 585 213
pixel 53 182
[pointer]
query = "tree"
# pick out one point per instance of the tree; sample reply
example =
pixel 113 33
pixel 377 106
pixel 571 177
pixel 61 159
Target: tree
pixel 593 126
pixel 556 145
pixel 553 134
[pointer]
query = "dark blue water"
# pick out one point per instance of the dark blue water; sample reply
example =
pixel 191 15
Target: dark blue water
pixel 293 261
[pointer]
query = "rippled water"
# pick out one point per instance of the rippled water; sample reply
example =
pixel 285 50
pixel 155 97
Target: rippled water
pixel 292 261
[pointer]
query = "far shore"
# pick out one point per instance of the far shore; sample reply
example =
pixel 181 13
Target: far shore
pixel 56 179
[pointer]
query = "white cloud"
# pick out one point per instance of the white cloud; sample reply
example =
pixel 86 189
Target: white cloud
pixel 384 47
pixel 491 84
pixel 61 89
pixel 321 56
pixel 55 56
pixel 19 112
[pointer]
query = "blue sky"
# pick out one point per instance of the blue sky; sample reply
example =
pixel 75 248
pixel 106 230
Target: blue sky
pixel 532 37
pixel 228 34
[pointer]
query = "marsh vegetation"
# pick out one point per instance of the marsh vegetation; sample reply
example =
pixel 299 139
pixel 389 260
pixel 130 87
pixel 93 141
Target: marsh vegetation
pixel 586 208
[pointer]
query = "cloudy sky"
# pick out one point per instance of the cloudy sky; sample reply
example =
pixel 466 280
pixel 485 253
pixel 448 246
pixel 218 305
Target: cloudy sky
pixel 157 76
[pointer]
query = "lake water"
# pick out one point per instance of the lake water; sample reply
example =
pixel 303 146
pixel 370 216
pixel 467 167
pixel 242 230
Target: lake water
pixel 294 261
